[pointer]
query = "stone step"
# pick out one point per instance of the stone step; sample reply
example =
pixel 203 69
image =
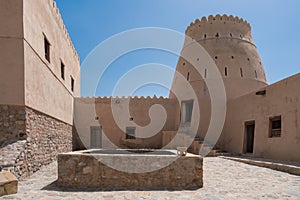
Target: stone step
pixel 291 168
pixel 222 153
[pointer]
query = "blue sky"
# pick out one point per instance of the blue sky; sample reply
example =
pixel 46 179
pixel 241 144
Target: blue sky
pixel 275 27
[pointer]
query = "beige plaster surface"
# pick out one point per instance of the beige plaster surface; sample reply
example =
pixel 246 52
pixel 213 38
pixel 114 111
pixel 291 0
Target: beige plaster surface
pixel 282 98
pixel 45 90
pixel 11 53
pixel 86 109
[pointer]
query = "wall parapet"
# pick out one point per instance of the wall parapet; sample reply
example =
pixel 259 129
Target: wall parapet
pixel 122 98
pixel 56 13
pixel 218 18
pixel 219 27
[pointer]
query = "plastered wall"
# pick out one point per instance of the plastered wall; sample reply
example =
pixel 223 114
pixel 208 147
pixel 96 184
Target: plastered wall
pixel 86 108
pixel 228 42
pixel 281 99
pixel 11 53
pixel 45 89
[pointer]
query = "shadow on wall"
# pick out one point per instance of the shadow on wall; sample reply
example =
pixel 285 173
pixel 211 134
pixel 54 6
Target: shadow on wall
pixel 77 144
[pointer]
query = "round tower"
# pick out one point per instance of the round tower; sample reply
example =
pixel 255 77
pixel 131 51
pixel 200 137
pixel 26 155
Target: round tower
pixel 228 40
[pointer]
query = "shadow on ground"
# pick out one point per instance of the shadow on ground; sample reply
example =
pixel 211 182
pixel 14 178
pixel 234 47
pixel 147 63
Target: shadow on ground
pixel 54 187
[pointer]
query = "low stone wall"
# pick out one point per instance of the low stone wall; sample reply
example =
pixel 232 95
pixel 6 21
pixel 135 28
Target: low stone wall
pixel 12 122
pixel 81 170
pixel 8 184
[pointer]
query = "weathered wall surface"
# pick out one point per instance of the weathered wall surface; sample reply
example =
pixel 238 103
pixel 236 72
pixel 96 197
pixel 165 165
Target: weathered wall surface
pixel 46 138
pixel 36 103
pixel 11 53
pixel 26 77
pixel 45 89
pixel 281 98
pixel 87 108
pixel 12 122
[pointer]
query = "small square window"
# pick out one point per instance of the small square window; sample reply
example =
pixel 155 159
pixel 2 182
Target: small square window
pixel 275 127
pixel 47 49
pixel 62 70
pixel 72 84
pixel 130 133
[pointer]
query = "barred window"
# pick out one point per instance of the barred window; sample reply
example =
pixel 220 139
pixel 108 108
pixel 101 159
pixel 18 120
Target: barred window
pixel 275 127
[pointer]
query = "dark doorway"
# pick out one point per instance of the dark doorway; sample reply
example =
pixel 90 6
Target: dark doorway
pixel 249 137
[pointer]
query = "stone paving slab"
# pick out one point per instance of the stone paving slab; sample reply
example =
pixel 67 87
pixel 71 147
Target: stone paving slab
pixel 223 179
pixel 289 167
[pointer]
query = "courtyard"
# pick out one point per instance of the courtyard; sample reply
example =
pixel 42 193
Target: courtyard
pixel 223 179
pixel 151 79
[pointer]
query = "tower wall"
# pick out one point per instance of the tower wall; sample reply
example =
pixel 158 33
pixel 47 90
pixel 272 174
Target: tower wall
pixel 228 40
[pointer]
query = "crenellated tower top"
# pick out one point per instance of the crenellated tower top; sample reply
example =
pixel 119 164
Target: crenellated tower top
pixel 218 18
pixel 228 40
pixel 220 27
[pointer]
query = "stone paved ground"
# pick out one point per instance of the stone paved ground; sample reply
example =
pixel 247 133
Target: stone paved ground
pixel 223 179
